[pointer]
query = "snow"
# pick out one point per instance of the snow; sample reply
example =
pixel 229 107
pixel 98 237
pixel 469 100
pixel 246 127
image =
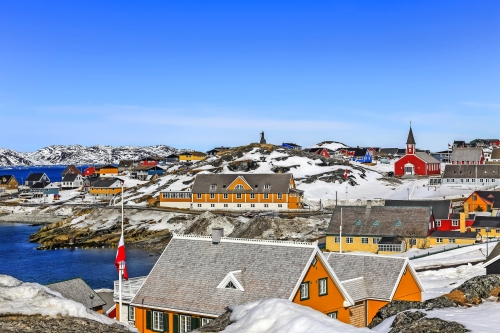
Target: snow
pixel 23 298
pixel 279 315
pixel 334 145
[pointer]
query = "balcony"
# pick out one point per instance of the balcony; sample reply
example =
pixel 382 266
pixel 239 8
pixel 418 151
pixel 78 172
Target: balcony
pixel 130 288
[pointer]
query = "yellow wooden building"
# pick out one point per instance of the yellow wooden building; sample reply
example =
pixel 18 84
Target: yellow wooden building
pixel 192 156
pixel 107 171
pixel 9 183
pixel 106 188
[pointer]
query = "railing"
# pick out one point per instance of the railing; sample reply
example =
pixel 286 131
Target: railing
pixel 130 288
pixel 450 249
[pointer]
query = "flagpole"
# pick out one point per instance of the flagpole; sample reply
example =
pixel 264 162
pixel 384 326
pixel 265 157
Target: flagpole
pixel 120 272
pixel 340 230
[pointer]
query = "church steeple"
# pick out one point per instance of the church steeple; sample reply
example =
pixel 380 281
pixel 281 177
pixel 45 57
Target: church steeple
pixel 410 143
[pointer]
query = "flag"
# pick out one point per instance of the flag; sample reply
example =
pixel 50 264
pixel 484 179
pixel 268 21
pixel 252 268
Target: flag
pixel 120 256
pixel 449 146
pixel 346 173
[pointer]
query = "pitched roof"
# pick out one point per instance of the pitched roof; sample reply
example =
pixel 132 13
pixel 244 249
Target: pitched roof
pixel 38 185
pixel 380 274
pixel 280 183
pixel 107 166
pixel 4 179
pixel 426 157
pixel 71 169
pixel 466 154
pixel 360 152
pixel 491 196
pixel 380 221
pixel 440 208
pixel 495 154
pixel 104 182
pixel 186 276
pixel 486 222
pixel 146 167
pixel 469 171
pixel 493 256
pixel 194 153
pixel 391 151
pixel 77 290
pixel 411 139
pixel 34 176
pixel 453 234
pixel 126 163
pixel 70 177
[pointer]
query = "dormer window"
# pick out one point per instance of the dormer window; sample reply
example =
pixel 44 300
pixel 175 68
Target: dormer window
pixel 213 187
pixel 224 186
pixel 267 186
pixel 256 185
pixel 230 285
pixel 239 187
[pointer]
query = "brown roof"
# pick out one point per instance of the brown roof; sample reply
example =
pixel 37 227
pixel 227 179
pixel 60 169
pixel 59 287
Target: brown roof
pixel 279 183
pixel 380 221
pixel 71 169
pixel 4 179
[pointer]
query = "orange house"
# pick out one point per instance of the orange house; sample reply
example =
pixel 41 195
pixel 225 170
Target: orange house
pixel 482 201
pixel 197 277
pixel 238 192
pixel 374 281
pixel 106 188
pixel 107 171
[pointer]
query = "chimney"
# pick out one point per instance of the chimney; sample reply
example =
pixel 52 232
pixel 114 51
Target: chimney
pixel 368 204
pixel 217 234
pixel 462 223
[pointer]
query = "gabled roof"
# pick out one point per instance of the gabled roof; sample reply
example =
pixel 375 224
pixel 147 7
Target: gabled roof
pixel 440 208
pixel 493 256
pixel 453 234
pixel 126 163
pixel 77 290
pixel 35 176
pixel 5 179
pixel 466 154
pixel 186 276
pixel 365 276
pixel 426 157
pixel 70 177
pixel 411 139
pixel 104 182
pixel 146 167
pixel 193 153
pixel 380 221
pixel 173 156
pixel 280 183
pixel 469 171
pixel 360 152
pixel 107 166
pixel 70 169
pixel 490 196
pixel 38 185
pixel 389 151
pixel 486 222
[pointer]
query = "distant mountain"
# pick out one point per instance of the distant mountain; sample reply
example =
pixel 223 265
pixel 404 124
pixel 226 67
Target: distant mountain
pixel 77 154
pixel 333 145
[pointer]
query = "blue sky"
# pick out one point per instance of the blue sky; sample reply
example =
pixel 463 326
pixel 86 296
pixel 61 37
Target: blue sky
pixel 198 74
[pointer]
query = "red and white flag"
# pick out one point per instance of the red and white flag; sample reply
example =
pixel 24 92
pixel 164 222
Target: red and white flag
pixel 121 257
pixel 346 173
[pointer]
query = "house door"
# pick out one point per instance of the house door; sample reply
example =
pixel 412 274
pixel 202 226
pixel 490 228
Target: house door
pixel 409 169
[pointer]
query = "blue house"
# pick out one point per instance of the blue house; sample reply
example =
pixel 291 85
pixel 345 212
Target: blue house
pixel 362 155
pixel 51 189
pixel 291 146
pixel 146 172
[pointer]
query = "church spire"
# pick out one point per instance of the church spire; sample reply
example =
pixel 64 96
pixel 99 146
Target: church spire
pixel 411 139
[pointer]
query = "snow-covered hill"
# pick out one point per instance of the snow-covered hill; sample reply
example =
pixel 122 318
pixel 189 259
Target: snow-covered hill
pixel 77 154
pixel 333 145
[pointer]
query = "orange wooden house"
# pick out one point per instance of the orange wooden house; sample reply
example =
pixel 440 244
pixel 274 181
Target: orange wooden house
pixel 237 192
pixel 197 277
pixel 482 201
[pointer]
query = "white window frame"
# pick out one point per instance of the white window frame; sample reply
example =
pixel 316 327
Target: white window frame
pixel 439 240
pixel 252 195
pixel 364 240
pixel 184 323
pixel 225 196
pixel 199 205
pixel 225 205
pixel 454 223
pixel 212 205
pixel 336 239
pixel 280 196
pixel 375 240
pixel 252 205
pixel 438 223
pixel 212 195
pixel 349 240
pixel 266 196
pixel 213 187
pixel 199 195
pixel 304 291
pixel 333 315
pixel 131 313
pixel 266 205
pixel 238 205
pixel 280 205
pixel 158 321
pixel 206 321
pixel 323 286
pixel 238 195
pixel 451 240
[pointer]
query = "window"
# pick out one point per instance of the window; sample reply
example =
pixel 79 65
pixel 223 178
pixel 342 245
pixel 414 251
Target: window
pixel 225 196
pixel 199 205
pixel 304 291
pixel 252 195
pixel 497 231
pixel 238 195
pixel 212 205
pixel 280 196
pixel 238 205
pixel 337 240
pixel 266 196
pixel 358 223
pixel 239 187
pixel 213 187
pixel 349 240
pixel 332 315
pixel 454 223
pixel 323 286
pixel 199 195
pixel 364 240
pixel 225 205
pixel 375 240
pixel 390 248
pixel 212 195
pixel 206 321
pixel 131 313
pixel 451 240
pixel 267 186
pixel 280 205
pixel 478 229
pixel 157 321
pixel 252 205
pixel 439 240
pixel 438 223
pixel 184 324
pixel 230 285
pixel 266 205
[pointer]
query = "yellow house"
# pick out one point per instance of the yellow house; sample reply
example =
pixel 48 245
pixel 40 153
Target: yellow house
pixel 107 171
pixel 9 183
pixel 379 229
pixel 486 227
pixel 192 156
pixel 106 188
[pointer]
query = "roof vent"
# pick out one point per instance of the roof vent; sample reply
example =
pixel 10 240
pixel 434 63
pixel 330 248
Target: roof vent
pixel 217 234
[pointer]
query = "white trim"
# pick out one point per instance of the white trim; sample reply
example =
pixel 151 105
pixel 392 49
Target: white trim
pixel 358 278
pixel 413 273
pixel 231 278
pixel 249 241
pixel 243 179
pixel 487 263
pixel 151 307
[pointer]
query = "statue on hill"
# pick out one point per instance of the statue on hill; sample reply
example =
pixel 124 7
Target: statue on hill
pixel 262 139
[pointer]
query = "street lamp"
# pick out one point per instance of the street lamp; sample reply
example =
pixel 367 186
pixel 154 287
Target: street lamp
pixel 92 302
pixel 487 241
pixel 408 190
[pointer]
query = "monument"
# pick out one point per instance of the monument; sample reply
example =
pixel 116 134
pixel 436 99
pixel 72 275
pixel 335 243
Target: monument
pixel 262 139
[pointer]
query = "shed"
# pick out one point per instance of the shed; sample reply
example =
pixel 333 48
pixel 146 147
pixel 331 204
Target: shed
pixel 79 291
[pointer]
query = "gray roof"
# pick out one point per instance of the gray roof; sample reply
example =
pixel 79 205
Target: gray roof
pixel 380 274
pixel 280 183
pixel 453 234
pixel 104 182
pixel 411 139
pixel 360 221
pixel 456 216
pixel 440 208
pixel 426 157
pixel 78 291
pixel 126 163
pixel 469 171
pixel 466 154
pixel 493 256
pixel 486 222
pixel 70 177
pixel 35 176
pixel 186 276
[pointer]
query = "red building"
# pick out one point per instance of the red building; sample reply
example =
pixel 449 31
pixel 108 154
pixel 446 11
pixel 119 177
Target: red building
pixel 319 151
pixel 89 171
pixel 416 162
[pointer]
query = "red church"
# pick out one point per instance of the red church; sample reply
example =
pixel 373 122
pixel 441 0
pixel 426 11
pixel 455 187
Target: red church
pixel 416 162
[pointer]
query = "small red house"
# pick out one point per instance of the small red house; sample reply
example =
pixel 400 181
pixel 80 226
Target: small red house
pixel 319 151
pixel 416 162
pixel 89 171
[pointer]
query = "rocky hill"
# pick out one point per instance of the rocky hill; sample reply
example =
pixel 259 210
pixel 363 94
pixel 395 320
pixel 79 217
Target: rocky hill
pixel 10 157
